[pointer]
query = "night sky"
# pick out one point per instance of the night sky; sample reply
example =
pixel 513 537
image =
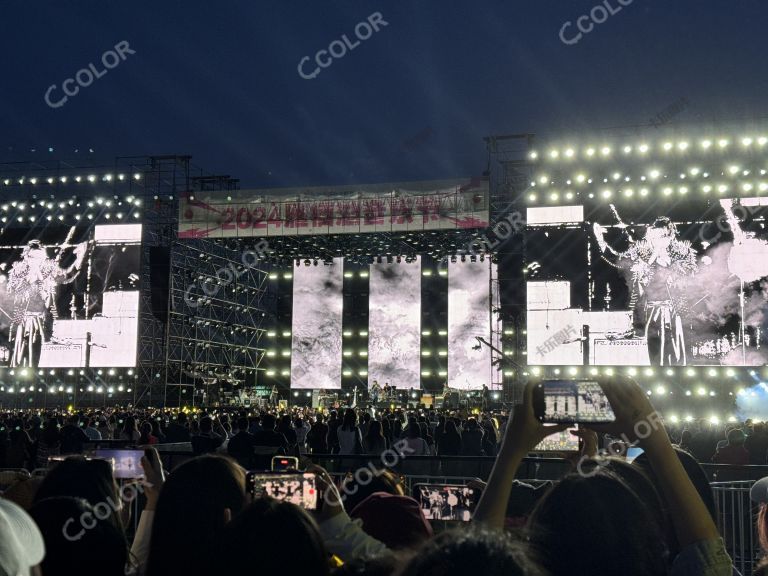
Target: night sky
pixel 219 80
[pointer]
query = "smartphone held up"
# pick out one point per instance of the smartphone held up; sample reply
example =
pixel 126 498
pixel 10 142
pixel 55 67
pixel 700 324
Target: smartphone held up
pixel 571 402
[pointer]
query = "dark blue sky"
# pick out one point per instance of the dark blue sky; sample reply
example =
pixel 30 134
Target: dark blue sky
pixel 219 80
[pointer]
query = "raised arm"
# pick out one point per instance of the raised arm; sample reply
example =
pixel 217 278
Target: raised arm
pixel 521 436
pixel 637 419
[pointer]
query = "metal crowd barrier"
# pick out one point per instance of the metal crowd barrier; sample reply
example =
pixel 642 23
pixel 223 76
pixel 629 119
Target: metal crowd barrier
pixel 736 517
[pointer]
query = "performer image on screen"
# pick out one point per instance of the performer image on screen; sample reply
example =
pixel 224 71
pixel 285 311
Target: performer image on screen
pixel 33 281
pixel 658 264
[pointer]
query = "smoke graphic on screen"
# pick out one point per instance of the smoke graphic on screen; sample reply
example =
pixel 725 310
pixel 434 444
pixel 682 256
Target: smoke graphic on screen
pixel 317 317
pixel 469 301
pixel 394 324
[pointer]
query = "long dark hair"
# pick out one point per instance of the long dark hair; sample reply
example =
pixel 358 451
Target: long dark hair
pixel 90 480
pixel 472 551
pixel 68 542
pixel 190 514
pixel 374 431
pixel 350 419
pixel 51 434
pixel 451 430
pixel 277 534
pixel 596 525
pixel 413 430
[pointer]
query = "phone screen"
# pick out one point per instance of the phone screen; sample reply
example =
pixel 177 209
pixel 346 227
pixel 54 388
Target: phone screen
pixel 125 463
pixel 562 441
pixel 299 489
pixel 566 401
pixel 447 502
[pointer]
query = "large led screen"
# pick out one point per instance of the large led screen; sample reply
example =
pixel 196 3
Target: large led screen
pixel 651 286
pixel 394 318
pixel 69 297
pixel 469 318
pixel 317 316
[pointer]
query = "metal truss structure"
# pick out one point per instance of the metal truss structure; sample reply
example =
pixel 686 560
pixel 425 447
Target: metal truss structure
pixel 164 177
pixel 216 315
pixel 510 173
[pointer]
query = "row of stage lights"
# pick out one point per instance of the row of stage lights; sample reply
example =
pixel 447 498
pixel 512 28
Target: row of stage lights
pixel 28 372
pixel 690 372
pixel 91 178
pixel 605 151
pixel 65 389
pixel 652 174
pixel 16 211
pixel 668 191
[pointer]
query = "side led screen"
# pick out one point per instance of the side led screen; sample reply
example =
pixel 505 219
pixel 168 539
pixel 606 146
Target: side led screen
pixel 469 318
pixel 669 290
pixel 317 315
pixel 69 297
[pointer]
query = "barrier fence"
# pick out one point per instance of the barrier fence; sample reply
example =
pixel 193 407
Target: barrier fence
pixel 736 517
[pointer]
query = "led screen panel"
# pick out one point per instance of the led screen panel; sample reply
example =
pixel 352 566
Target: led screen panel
pixel 469 318
pixel 316 331
pixel 394 329
pixel 671 289
pixel 69 296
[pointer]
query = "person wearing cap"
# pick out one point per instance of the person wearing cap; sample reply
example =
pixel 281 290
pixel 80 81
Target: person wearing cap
pixel 21 544
pixel 395 520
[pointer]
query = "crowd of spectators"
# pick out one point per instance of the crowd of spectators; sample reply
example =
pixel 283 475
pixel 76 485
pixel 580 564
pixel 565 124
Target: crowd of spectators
pixel 29 438
pixel 653 516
